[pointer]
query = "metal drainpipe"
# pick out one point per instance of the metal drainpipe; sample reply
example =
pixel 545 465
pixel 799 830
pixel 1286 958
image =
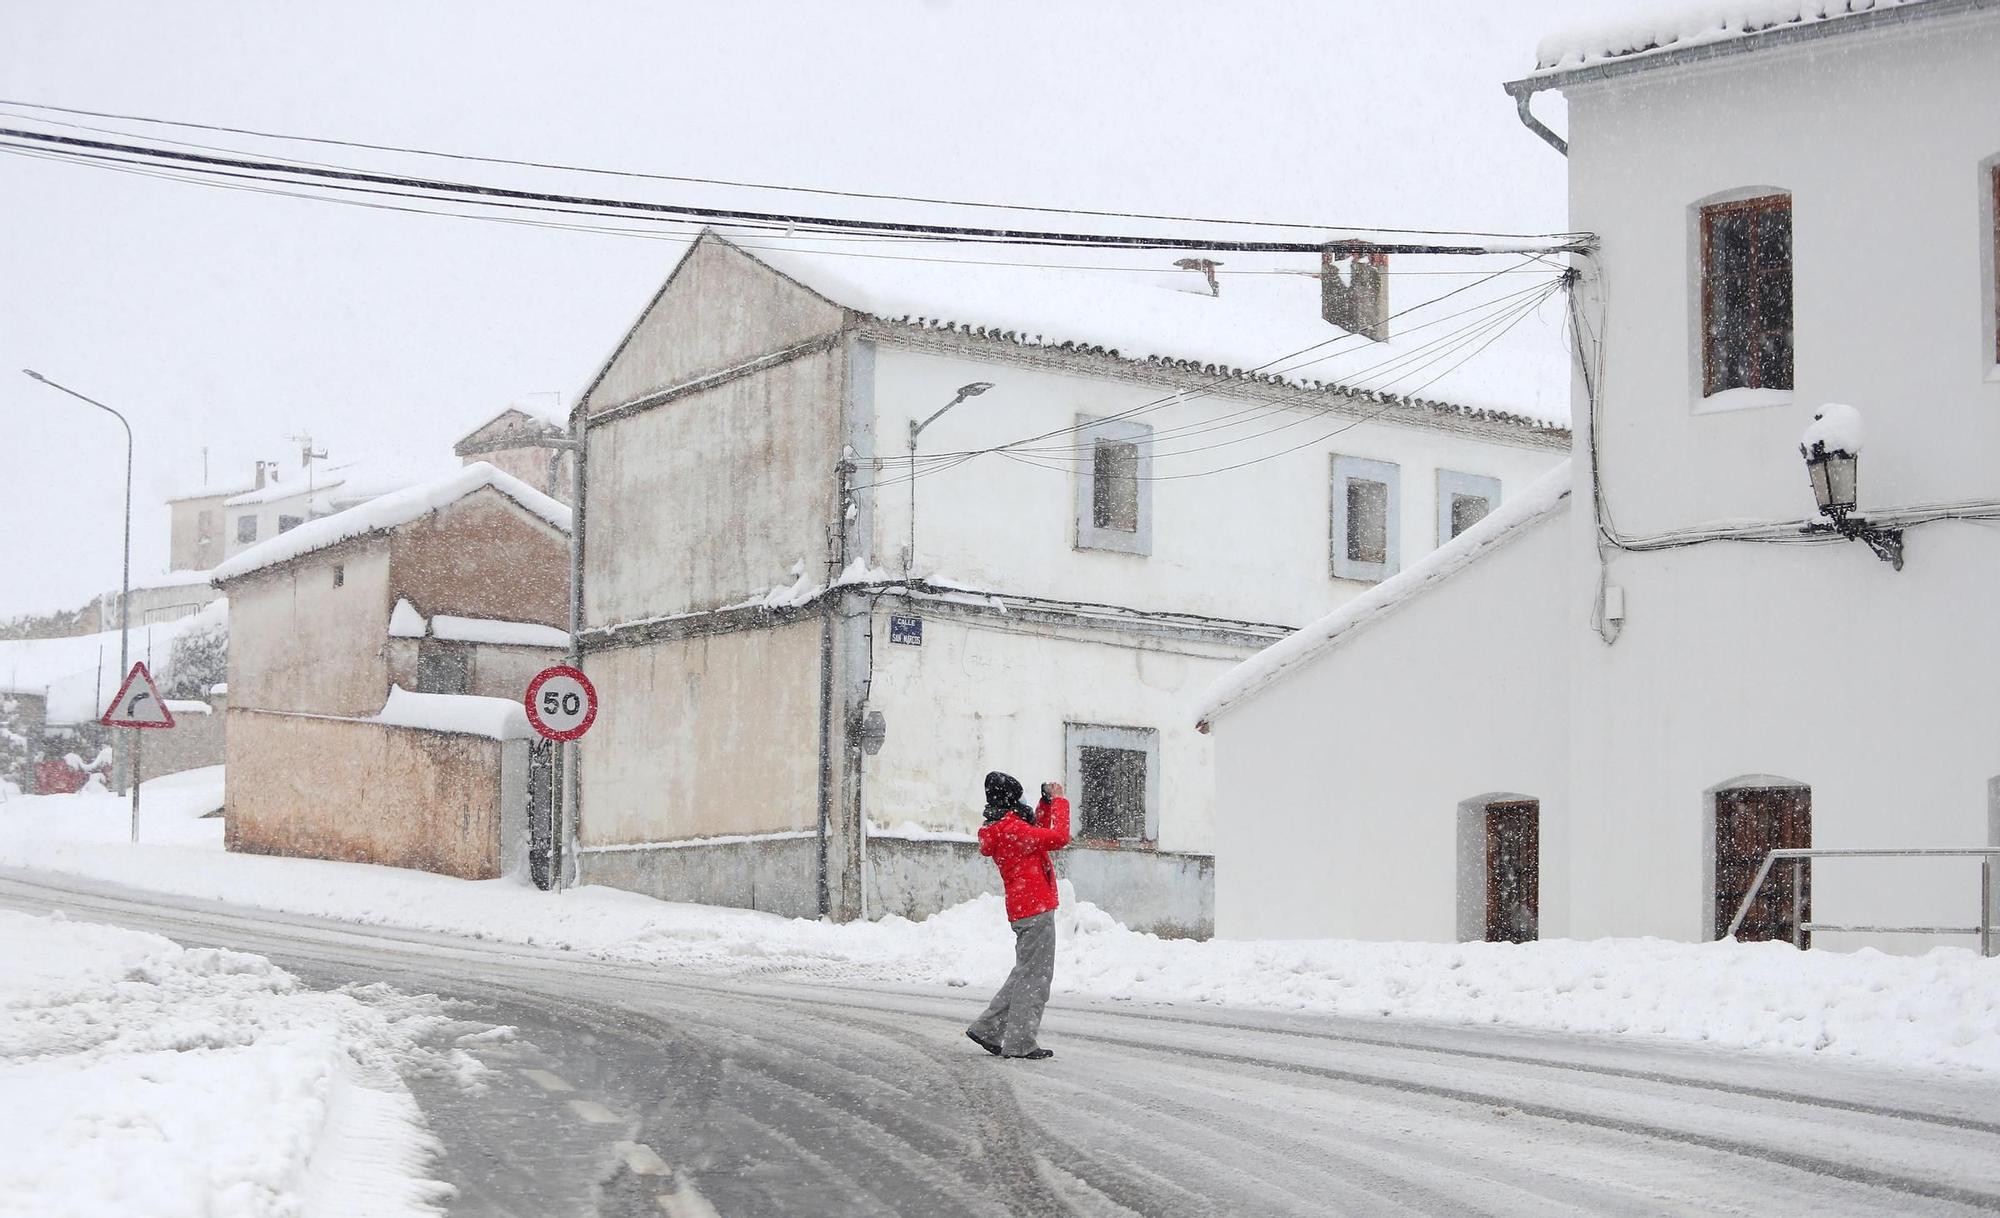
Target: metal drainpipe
pixel 1528 119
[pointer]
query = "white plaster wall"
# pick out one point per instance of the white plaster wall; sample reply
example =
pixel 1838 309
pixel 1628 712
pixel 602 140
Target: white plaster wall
pixel 1819 665
pixel 984 694
pixel 1250 544
pixel 267 514
pixel 1337 787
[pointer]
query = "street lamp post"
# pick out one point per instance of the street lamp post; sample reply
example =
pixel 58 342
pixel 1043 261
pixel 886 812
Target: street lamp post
pixel 916 429
pixel 125 581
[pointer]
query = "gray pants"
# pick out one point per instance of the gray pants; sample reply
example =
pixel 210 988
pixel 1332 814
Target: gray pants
pixel 1015 1015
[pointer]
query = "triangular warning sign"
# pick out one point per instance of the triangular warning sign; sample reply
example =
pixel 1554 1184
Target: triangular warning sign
pixel 138 703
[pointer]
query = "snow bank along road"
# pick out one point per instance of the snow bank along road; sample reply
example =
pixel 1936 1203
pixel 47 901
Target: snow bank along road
pixel 644 1090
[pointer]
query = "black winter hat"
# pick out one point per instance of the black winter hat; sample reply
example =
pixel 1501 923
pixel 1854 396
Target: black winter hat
pixel 1003 791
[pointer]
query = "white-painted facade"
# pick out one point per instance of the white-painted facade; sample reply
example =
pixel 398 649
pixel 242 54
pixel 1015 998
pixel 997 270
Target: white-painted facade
pixel 716 520
pixel 1738 663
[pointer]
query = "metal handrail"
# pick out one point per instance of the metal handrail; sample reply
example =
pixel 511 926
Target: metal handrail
pixel 1987 855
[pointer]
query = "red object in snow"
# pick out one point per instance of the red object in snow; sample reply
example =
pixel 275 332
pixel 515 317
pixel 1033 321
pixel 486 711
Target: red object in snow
pixel 54 776
pixel 1022 852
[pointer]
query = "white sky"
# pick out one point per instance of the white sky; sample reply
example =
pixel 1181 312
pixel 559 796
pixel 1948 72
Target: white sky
pixel 230 320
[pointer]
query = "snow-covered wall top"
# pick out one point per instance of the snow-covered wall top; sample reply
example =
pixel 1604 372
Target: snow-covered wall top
pixel 388 512
pixel 1688 23
pixel 1540 498
pixel 1465 335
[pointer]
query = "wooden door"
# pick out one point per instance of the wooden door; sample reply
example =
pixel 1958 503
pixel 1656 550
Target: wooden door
pixel 1513 872
pixel 1750 822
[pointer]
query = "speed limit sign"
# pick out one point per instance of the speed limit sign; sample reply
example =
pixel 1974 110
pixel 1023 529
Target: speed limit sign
pixel 561 702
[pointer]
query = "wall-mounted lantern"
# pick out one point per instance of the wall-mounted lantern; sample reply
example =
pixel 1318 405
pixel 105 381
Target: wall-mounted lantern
pixel 1832 449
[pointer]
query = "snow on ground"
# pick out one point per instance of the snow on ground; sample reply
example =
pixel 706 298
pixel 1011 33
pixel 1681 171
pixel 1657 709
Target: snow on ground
pixel 140 1077
pixel 80 673
pixel 1941 1009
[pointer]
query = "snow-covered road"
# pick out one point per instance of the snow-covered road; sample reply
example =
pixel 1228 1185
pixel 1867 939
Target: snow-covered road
pixel 629 1084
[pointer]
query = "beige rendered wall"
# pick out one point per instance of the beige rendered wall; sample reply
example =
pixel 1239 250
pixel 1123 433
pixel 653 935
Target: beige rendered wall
pixel 363 793
pixel 188 548
pixel 715 497
pixel 483 556
pixel 703 737
pixel 504 672
pixel 719 309
pixel 298 643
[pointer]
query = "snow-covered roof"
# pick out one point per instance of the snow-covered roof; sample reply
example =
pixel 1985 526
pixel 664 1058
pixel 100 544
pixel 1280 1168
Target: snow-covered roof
pixel 389 511
pixel 274 491
pixel 541 416
pixel 471 714
pixel 406 622
pixel 1689 23
pixel 1540 498
pixel 497 632
pixel 235 487
pixel 1451 347
pixel 168 579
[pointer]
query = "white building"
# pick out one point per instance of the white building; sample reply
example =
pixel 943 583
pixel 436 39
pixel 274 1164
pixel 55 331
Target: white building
pixel 1613 704
pixel 1160 495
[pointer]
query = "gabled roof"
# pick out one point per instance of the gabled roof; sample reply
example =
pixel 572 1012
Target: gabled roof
pixel 532 422
pixel 1540 499
pixel 1691 29
pixel 1264 325
pixel 389 511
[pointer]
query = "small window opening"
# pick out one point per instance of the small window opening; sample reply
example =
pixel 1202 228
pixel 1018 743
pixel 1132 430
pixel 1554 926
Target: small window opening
pixel 1466 511
pixel 287 523
pixel 1112 801
pixel 1115 487
pixel 443 668
pixel 246 528
pixel 1367 521
pixel 339 574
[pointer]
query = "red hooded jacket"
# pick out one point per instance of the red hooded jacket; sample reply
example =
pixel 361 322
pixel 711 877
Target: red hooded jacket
pixel 1022 852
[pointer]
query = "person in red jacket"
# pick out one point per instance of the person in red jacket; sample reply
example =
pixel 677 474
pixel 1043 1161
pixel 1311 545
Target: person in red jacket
pixel 1019 841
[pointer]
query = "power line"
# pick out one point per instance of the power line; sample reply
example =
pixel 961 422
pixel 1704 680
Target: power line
pixel 350 178
pixel 733 183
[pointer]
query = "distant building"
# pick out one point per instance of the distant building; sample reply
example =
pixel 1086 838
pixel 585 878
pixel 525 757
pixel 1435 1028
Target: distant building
pixel 1601 713
pixel 517 440
pixel 377 662
pixel 814 656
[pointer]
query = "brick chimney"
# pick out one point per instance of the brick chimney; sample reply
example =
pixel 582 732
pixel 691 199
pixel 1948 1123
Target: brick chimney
pixel 260 475
pixel 1358 300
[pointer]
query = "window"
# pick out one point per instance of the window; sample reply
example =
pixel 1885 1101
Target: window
pixel 1746 294
pixel 1366 517
pixel 1463 501
pixel 443 668
pixel 1115 776
pixel 204 526
pixel 1114 486
pixel 246 528
pixel 339 574
pixel 287 523
pixel 1114 492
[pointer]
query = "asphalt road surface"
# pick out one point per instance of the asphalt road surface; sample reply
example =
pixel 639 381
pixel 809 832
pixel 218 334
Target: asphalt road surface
pixel 637 1090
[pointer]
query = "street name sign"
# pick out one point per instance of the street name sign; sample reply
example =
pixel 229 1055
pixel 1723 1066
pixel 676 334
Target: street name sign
pixel 138 703
pixel 562 703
